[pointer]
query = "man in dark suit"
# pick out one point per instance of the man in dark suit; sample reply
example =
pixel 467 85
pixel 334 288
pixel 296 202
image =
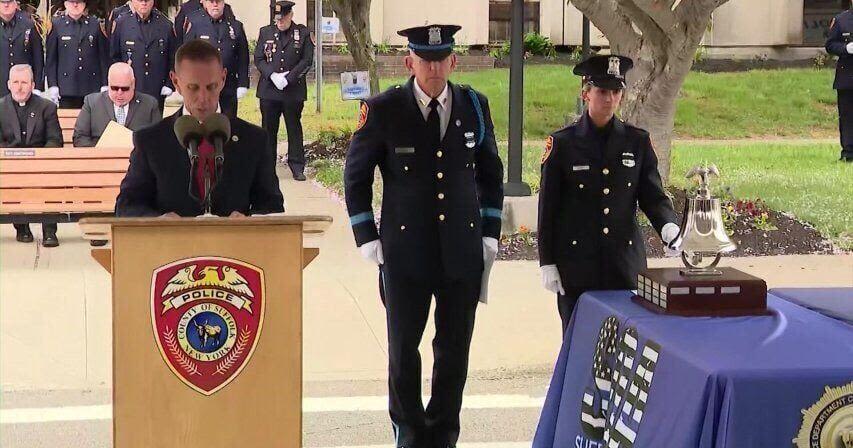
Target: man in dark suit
pixel 120 103
pixel 145 39
pixel 77 56
pixel 159 181
pixel 840 43
pixel 284 55
pixel 434 143
pixel 29 121
pixel 20 43
pixel 212 24
pixel 595 173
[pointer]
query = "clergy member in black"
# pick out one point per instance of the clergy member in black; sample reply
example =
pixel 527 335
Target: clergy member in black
pixel 159 182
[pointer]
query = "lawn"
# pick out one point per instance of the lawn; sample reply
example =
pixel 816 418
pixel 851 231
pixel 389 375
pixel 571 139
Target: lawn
pixel 802 179
pixel 759 103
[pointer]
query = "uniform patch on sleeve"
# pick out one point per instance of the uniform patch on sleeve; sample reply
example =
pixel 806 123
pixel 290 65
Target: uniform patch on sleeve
pixel 362 116
pixel 549 145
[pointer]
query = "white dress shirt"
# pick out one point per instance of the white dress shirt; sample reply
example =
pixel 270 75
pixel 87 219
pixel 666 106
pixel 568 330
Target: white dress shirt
pixel 445 104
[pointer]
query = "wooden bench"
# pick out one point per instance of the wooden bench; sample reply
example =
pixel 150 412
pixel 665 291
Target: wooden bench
pixel 59 184
pixel 67 120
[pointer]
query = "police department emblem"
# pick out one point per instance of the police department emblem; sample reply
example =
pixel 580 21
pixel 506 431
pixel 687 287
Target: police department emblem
pixel 435 36
pixel 207 314
pixel 829 422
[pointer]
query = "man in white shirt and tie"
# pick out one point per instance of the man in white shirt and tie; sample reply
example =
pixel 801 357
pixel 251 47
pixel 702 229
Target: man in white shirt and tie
pixel 120 103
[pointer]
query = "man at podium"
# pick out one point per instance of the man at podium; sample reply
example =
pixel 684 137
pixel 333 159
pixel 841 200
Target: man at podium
pixel 159 180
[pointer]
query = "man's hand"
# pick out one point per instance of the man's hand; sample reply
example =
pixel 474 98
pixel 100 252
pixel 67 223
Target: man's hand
pixel 669 234
pixel 170 215
pixel 241 92
pixel 165 91
pixel 236 214
pixel 551 279
pixel 372 251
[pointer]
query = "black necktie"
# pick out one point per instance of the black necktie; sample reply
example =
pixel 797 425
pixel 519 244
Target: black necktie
pixel 434 122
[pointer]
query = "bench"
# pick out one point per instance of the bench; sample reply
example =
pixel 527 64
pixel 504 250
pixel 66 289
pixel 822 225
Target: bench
pixel 59 184
pixel 67 120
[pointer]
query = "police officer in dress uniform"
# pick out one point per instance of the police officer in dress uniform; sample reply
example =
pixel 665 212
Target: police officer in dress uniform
pixel 434 144
pixel 145 39
pixel 213 25
pixel 20 43
pixel 77 56
pixel 187 9
pixel 840 43
pixel 594 174
pixel 284 55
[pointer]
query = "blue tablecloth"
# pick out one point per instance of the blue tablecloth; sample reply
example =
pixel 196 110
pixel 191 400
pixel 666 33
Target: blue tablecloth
pixel 836 303
pixel 696 382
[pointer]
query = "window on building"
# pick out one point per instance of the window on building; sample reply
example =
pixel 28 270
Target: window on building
pixel 817 15
pixel 500 17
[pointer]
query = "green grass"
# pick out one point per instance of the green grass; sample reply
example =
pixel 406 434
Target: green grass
pixel 759 103
pixel 802 179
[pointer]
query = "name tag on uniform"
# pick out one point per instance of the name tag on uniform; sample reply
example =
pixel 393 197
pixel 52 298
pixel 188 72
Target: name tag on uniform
pixel 628 162
pixel 580 167
pixel 407 150
pixel 66 37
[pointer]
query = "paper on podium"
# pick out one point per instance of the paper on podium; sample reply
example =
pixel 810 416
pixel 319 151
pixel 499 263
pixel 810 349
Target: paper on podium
pixel 115 136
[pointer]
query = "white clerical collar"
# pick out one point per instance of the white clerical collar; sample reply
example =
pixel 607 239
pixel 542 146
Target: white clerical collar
pixel 184 110
pixel 425 99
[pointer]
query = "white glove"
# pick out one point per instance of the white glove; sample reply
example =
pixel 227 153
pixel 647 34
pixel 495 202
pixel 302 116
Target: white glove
pixel 551 279
pixel 372 251
pixel 850 48
pixel 165 91
pixel 490 249
pixel 53 93
pixel 241 92
pixel 668 234
pixel 105 88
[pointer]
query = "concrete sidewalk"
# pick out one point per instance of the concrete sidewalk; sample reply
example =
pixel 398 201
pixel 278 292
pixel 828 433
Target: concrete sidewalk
pixel 55 310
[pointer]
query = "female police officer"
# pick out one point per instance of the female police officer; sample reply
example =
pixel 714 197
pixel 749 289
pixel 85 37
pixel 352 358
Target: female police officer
pixel 594 173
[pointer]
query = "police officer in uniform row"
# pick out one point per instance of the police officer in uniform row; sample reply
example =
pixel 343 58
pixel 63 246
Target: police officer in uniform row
pixel 20 43
pixel 284 55
pixel 213 25
pixel 594 174
pixel 434 143
pixel 145 39
pixel 840 43
pixel 77 58
pixel 187 9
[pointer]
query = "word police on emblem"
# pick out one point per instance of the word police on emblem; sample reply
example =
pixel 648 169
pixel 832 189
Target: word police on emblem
pixel 207 314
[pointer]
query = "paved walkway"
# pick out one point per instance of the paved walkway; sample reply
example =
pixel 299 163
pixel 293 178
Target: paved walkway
pixel 55 307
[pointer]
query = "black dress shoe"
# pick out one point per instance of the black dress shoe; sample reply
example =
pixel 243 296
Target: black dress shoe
pixel 24 236
pixel 98 243
pixel 50 240
pixel 299 177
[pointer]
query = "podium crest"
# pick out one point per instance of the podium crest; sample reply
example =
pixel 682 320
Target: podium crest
pixel 207 314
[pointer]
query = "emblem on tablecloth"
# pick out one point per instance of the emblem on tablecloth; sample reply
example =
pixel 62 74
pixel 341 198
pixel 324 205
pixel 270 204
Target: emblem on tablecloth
pixel 207 314
pixel 829 422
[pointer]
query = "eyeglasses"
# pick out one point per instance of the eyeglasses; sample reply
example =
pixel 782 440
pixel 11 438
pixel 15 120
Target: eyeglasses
pixel 117 88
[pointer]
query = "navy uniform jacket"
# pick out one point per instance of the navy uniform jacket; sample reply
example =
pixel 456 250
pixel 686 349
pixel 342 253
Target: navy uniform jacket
pixel 277 51
pixel 148 46
pixel 588 200
pixel 158 178
pixel 840 34
pixel 77 56
pixel 229 37
pixel 187 9
pixel 20 43
pixel 437 203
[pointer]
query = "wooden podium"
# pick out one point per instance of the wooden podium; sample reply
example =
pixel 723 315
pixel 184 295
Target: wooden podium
pixel 207 328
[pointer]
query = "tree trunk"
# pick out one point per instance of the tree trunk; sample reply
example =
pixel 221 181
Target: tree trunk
pixel 355 23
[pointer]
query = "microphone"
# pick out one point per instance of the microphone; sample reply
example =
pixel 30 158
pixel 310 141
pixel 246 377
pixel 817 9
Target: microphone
pixel 189 133
pixel 217 130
